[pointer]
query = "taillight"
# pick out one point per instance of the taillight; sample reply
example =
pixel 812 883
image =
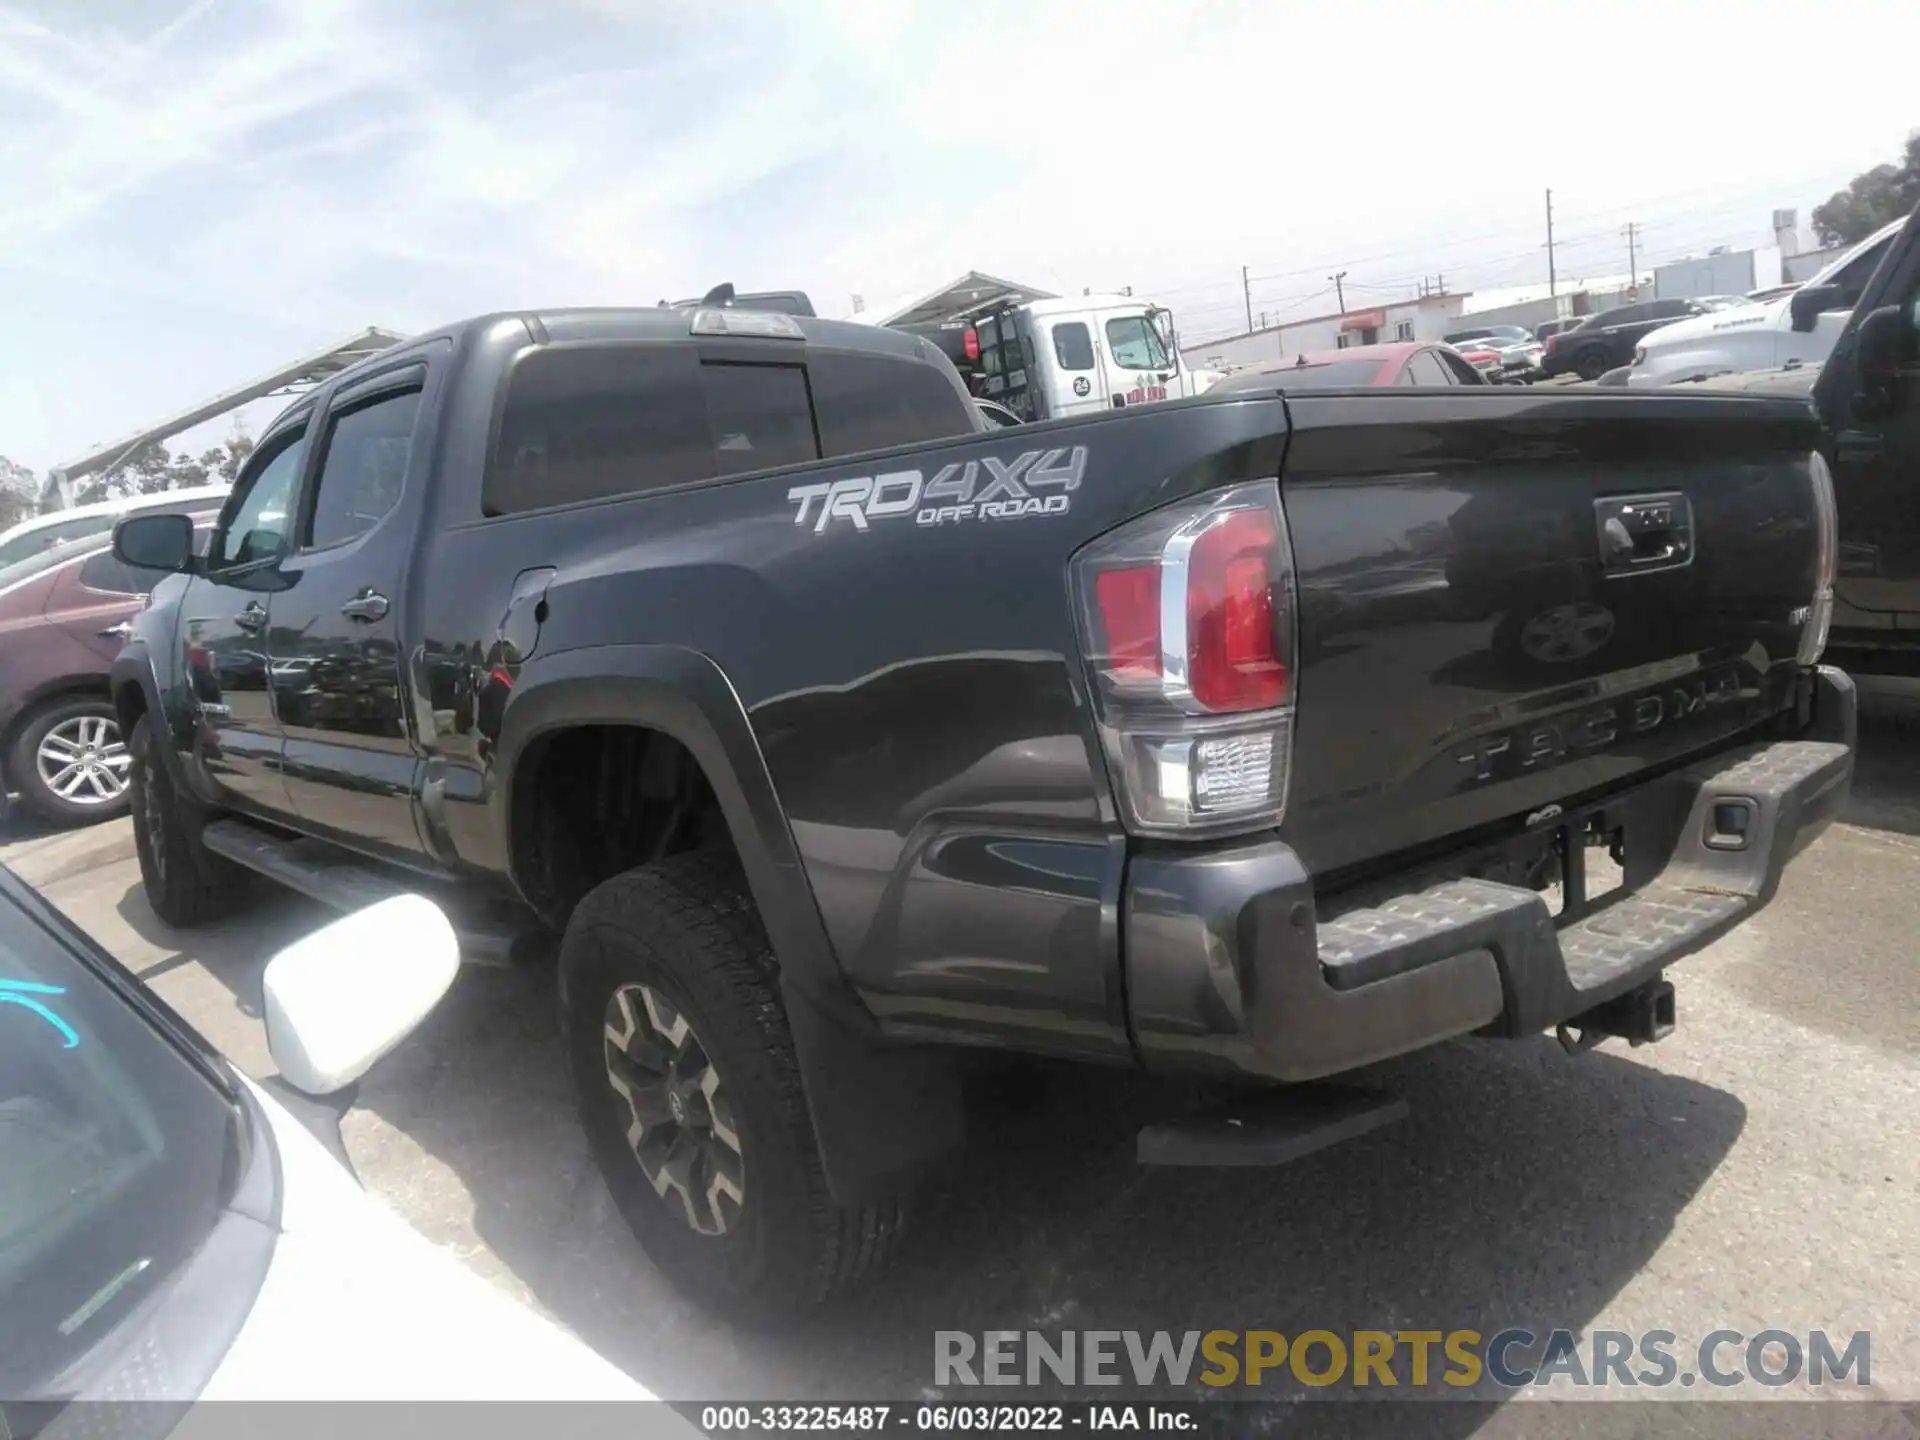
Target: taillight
pixel 971 343
pixel 1552 340
pixel 1826 521
pixel 1186 620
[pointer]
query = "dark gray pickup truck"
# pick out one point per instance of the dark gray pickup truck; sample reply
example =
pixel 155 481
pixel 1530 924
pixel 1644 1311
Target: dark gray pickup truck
pixel 826 731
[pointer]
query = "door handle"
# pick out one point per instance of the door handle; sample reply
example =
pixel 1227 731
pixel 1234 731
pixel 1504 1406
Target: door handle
pixel 368 605
pixel 118 632
pixel 252 617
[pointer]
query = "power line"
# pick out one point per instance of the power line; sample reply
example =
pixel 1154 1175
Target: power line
pixel 1447 246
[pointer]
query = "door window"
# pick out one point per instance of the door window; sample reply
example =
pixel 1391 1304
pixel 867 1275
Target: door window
pixel 1427 368
pixel 109 574
pixel 1073 346
pixel 1852 277
pixel 258 516
pixel 1135 344
pixel 363 468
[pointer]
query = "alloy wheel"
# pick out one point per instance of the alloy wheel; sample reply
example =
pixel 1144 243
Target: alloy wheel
pixel 84 761
pixel 681 1125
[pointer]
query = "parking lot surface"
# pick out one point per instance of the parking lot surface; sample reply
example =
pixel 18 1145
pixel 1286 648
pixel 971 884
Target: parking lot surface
pixel 1757 1170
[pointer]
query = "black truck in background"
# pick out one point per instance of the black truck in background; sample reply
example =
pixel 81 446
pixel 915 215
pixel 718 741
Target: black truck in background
pixel 829 731
pixel 1867 399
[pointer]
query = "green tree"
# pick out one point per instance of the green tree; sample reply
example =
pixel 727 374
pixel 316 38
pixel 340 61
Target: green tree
pixel 1873 198
pixel 239 447
pixel 19 490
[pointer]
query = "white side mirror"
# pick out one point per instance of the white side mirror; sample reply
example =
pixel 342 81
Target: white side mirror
pixel 340 999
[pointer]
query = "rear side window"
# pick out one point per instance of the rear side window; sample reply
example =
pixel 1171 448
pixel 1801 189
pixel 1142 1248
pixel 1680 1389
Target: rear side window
pixel 872 402
pixel 593 423
pixel 585 423
pixel 1073 346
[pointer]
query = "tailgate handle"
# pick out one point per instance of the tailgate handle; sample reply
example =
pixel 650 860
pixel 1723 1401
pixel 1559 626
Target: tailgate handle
pixel 1639 533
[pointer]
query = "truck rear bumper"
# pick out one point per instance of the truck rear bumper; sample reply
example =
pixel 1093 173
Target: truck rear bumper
pixel 1230 972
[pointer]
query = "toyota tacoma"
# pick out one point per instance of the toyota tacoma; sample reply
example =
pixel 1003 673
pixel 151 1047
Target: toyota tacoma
pixel 817 730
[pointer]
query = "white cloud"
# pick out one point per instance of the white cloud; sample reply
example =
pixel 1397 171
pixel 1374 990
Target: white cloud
pixel 229 184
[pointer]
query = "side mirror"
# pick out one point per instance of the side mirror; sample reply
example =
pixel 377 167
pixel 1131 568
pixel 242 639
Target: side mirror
pixel 1810 300
pixel 1883 343
pixel 154 542
pixel 343 997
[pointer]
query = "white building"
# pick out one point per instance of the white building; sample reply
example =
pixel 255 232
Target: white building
pixel 1424 317
pixel 1721 271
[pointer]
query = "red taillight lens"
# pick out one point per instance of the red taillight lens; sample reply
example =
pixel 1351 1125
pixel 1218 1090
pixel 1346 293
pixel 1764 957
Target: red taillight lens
pixel 1130 610
pixel 1233 643
pixel 971 343
pixel 1186 622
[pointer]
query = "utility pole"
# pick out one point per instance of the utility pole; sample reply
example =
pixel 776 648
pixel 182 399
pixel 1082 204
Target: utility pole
pixel 1553 283
pixel 1340 290
pixel 1632 232
pixel 1246 294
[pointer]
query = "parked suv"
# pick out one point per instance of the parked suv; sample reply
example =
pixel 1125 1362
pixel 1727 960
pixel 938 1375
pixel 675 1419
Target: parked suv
pixel 1606 341
pixel 60 627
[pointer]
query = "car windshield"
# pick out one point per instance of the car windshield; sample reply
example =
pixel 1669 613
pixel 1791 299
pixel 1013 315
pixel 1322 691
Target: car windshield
pixel 115 1155
pixel 1135 343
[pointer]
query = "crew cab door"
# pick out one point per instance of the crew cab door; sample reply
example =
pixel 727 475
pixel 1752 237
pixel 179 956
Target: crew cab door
pixel 338 670
pixel 1873 446
pixel 222 636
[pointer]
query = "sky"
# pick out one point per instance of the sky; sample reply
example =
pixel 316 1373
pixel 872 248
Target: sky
pixel 194 193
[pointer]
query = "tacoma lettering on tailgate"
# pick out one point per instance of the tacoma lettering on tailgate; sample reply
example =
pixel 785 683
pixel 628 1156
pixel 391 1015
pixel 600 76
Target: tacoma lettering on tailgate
pixel 1547 742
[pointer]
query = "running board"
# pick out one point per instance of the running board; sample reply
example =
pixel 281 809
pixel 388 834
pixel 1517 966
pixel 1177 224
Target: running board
pixel 339 879
pixel 1270 1127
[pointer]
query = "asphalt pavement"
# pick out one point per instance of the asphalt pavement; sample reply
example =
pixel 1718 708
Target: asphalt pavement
pixel 1757 1170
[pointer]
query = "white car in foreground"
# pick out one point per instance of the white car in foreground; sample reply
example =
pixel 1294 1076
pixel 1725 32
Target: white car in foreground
pixel 171 1232
pixel 1799 328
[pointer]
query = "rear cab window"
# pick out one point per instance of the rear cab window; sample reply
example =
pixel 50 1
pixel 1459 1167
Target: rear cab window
pixel 596 421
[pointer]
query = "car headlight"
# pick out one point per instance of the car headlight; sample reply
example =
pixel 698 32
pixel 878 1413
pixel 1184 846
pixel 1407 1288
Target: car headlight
pixel 1639 354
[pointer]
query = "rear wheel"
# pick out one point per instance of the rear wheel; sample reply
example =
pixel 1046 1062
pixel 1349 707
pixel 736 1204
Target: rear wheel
pixel 691 1097
pixel 186 883
pixel 1592 364
pixel 71 763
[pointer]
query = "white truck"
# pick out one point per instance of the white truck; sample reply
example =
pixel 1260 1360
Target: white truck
pixel 1798 328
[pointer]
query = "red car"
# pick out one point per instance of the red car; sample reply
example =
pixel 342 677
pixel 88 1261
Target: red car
pixel 61 624
pixel 1406 362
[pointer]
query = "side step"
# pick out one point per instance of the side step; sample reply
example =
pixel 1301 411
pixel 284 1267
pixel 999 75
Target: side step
pixel 1270 1127
pixel 345 882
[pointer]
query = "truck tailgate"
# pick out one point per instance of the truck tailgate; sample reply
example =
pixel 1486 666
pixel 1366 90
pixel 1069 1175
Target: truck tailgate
pixel 1510 602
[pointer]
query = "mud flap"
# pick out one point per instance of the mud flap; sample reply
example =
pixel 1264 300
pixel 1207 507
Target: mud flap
pixel 882 1114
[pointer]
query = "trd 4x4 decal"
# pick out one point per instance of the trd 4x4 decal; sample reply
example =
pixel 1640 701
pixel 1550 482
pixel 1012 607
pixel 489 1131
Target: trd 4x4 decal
pixel 985 489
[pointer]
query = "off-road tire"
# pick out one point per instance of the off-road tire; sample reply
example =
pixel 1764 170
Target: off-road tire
pixel 24 768
pixel 186 883
pixel 687 928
